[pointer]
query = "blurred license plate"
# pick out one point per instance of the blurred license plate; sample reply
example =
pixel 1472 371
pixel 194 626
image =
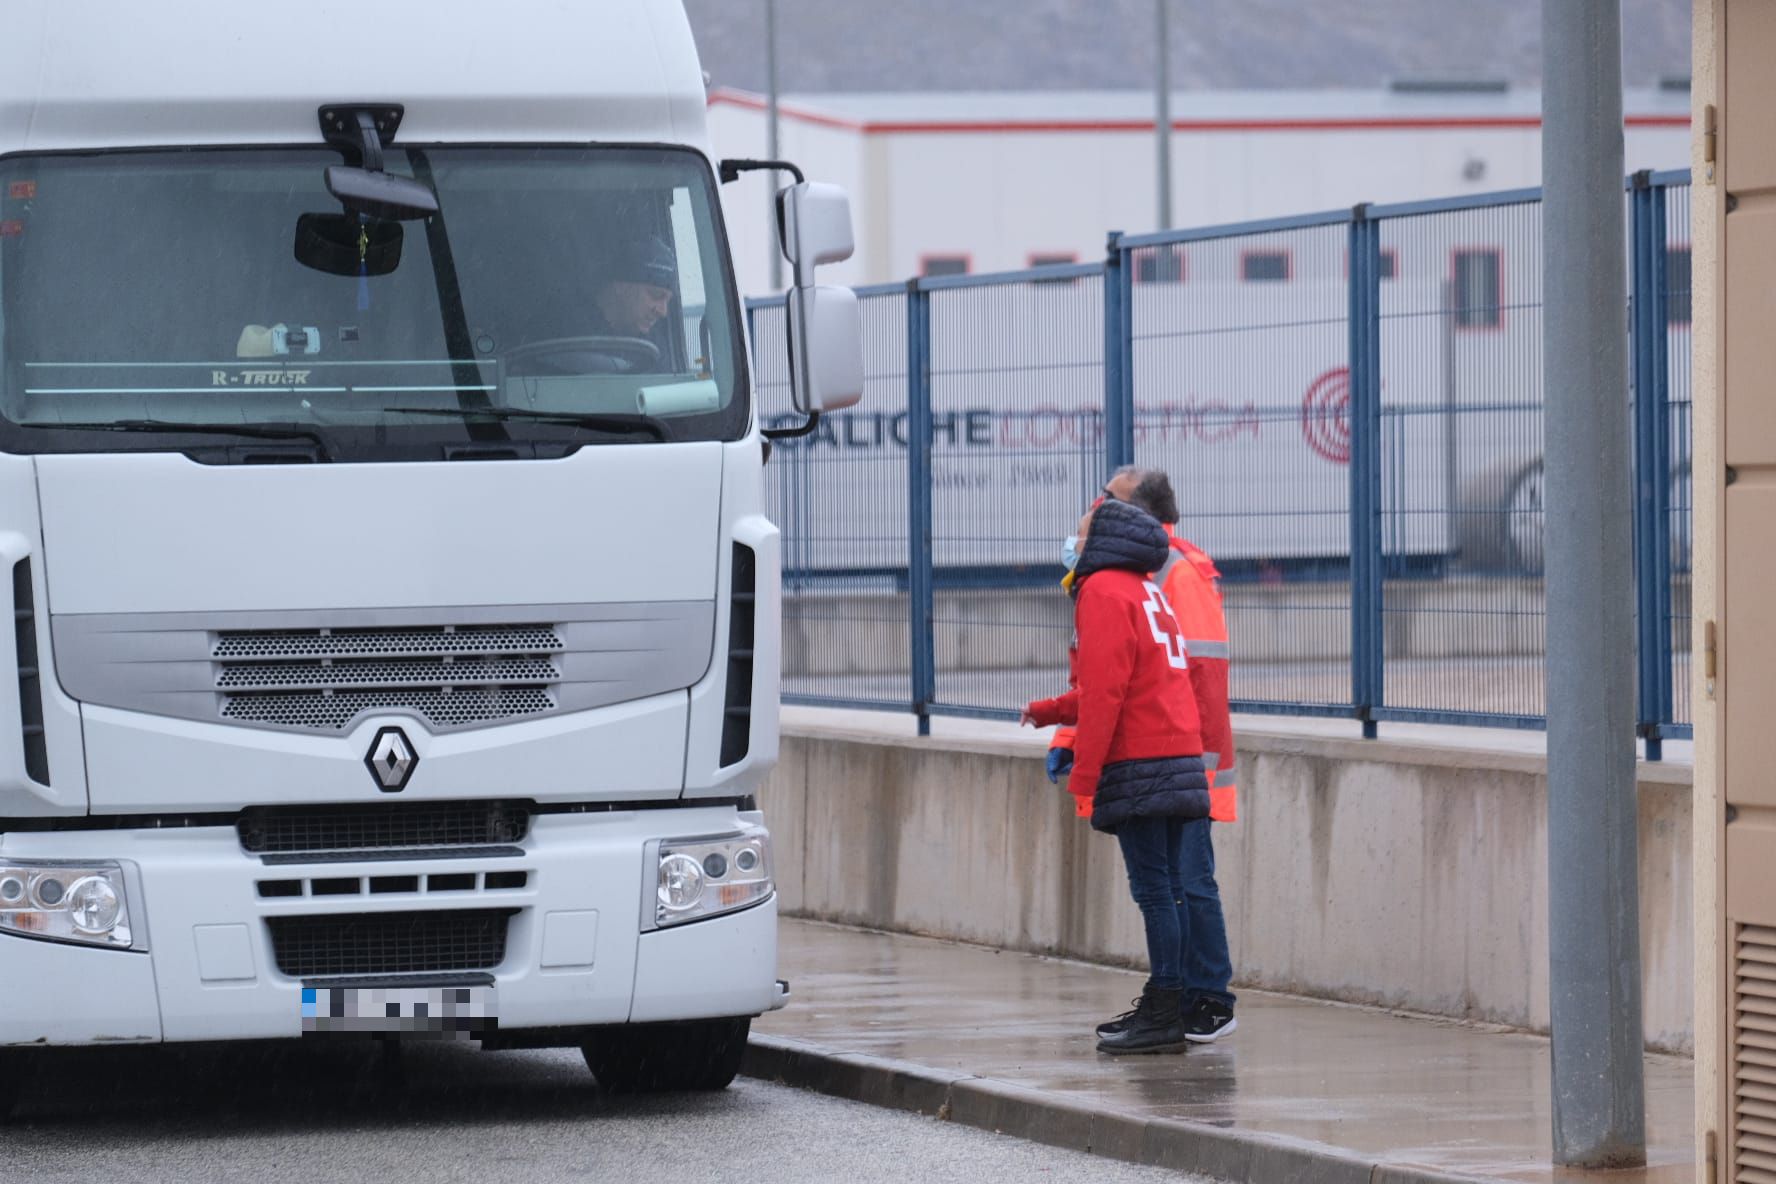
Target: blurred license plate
pixel 443 1011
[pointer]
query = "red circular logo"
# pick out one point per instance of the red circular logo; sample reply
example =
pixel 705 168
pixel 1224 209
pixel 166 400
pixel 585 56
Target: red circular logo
pixel 1325 416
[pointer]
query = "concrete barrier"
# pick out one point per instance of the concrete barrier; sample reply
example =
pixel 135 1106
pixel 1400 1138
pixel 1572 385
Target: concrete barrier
pixel 1394 874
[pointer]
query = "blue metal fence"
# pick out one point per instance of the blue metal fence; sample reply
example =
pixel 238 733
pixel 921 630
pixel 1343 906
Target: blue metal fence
pixel 1349 405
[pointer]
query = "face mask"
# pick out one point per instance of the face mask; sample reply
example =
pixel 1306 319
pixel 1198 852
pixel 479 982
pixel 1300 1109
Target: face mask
pixel 1070 552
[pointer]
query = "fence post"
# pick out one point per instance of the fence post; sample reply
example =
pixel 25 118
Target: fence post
pixel 1365 468
pixel 1652 464
pixel 1119 356
pixel 919 562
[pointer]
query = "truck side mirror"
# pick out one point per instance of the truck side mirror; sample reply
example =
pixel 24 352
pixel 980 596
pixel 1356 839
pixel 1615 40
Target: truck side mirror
pixel 825 323
pixel 813 227
pixel 825 348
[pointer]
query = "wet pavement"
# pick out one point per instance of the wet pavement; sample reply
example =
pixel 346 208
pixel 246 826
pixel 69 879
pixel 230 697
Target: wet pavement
pixel 1349 1080
pixel 294 1112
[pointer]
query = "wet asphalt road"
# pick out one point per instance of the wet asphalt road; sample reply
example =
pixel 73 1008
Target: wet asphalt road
pixel 295 1114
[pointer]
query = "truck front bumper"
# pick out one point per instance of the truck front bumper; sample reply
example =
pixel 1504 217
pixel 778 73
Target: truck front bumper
pixel 206 965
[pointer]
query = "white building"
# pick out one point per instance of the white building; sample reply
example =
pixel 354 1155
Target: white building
pixel 999 181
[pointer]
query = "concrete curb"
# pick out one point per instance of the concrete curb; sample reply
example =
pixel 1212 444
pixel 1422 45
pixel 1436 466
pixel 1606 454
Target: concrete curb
pixel 1006 1108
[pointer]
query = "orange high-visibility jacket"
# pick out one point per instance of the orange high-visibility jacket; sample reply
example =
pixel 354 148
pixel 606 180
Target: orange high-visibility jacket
pixel 1192 585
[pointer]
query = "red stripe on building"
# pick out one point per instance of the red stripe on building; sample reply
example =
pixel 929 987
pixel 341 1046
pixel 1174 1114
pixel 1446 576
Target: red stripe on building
pixel 1013 126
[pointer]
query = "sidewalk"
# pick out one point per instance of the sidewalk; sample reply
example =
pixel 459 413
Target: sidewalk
pixel 1304 1091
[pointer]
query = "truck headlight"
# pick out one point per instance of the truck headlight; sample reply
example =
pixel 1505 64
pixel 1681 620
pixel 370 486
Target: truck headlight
pixel 77 902
pixel 703 877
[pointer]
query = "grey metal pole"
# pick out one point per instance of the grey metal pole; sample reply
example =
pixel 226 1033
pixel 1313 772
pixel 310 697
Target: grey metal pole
pixel 1162 117
pixel 1594 898
pixel 776 255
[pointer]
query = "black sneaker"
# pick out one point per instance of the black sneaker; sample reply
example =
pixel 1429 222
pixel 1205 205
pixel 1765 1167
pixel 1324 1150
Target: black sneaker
pixel 1157 1025
pixel 1112 1027
pixel 1207 1021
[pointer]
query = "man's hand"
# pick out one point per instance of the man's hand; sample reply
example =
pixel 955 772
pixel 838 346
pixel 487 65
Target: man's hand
pixel 1026 720
pixel 1060 760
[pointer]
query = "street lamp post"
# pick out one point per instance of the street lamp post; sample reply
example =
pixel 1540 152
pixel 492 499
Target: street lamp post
pixel 1594 913
pixel 1162 118
pixel 771 250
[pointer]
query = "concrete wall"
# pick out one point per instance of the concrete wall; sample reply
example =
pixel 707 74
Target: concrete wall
pixel 1404 876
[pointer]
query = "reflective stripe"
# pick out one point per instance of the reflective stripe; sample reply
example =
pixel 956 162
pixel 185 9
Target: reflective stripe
pixel 1208 649
pixel 1173 559
pixel 1195 600
pixel 1211 759
pixel 1227 778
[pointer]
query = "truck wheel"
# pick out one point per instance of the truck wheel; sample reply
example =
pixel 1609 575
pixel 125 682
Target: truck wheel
pixel 660 1058
pixel 1525 530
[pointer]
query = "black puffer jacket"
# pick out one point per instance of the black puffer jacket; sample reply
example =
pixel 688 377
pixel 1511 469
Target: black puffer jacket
pixel 1123 536
pixel 1126 538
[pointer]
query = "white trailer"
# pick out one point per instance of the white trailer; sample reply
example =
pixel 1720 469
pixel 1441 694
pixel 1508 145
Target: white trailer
pixel 396 643
pixel 1246 408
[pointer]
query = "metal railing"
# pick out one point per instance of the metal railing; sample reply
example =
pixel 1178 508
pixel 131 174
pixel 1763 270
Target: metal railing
pixel 1349 405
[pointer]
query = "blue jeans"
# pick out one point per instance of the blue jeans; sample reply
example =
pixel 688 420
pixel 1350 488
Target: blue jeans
pixel 1171 870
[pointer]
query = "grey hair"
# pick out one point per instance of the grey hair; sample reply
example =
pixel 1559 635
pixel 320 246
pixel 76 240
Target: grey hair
pixel 1154 494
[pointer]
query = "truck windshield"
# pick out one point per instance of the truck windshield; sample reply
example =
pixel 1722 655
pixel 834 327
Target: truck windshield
pixel 562 297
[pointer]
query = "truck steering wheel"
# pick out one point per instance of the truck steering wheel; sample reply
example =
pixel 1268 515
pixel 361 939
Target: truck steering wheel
pixel 575 356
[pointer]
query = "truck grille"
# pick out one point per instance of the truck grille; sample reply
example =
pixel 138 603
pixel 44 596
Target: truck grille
pixel 389 943
pixel 283 830
pixel 323 672
pixel 446 641
pixel 326 678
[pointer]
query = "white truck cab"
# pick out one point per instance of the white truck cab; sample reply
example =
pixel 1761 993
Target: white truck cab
pixel 395 611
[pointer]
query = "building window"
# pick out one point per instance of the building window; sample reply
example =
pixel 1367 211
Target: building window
pixel 1677 285
pixel 1159 265
pixel 1479 288
pixel 1267 266
pixel 945 264
pixel 1390 263
pixel 1053 259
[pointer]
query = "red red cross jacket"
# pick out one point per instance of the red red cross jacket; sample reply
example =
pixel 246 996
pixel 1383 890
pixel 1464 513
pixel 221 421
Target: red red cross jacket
pixel 1191 585
pixel 1132 698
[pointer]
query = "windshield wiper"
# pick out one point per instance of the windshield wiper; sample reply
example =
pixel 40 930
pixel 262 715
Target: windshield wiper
pixel 253 431
pixel 606 421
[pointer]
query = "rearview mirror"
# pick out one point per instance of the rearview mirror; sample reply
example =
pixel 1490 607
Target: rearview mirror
pixel 380 194
pixel 330 243
pixel 825 348
pixel 813 227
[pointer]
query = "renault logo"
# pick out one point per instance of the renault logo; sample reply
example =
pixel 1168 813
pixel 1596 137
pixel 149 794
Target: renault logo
pixel 391 760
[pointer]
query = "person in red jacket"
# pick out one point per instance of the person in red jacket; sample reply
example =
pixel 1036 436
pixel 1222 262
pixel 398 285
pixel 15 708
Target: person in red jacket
pixel 1138 765
pixel 1191 585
